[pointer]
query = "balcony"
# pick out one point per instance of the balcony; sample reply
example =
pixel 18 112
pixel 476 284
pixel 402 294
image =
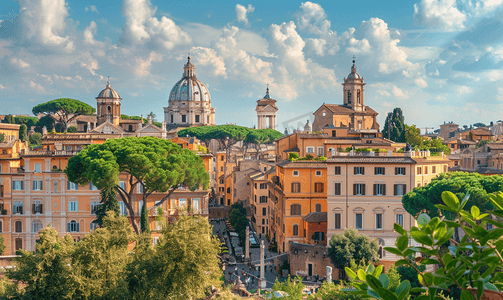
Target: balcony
pixel 26 152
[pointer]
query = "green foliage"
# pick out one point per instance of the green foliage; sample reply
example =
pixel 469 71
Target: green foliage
pixel 293 287
pixel 414 138
pixel 64 108
pixel 9 119
pixel 3 247
pixel 394 126
pixel 409 273
pixel 46 121
pixel 72 129
pixel 394 278
pixel 331 291
pixel 28 121
pixel 159 164
pixel 479 125
pixel 238 220
pixel 109 203
pixel 183 265
pixel 483 142
pixel 413 135
pixel 2 137
pixel 23 132
pixel 35 139
pixel 293 155
pixel 460 183
pixel 144 220
pixel 262 136
pixel 351 245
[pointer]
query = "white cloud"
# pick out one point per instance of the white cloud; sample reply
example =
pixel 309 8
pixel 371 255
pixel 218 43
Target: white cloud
pixel 89 33
pixel 313 18
pixel 37 87
pixel 439 14
pixel 204 57
pixel 2 87
pixel 316 46
pixel 399 93
pixel 143 65
pixel 463 90
pixel 91 8
pixel 44 22
pixel 19 63
pixel 421 82
pixel 143 28
pixel 241 12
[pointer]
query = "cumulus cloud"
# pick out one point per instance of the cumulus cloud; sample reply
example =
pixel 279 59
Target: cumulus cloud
pixel 242 11
pixel 143 65
pixel 421 82
pixel 207 57
pixel 19 63
pixel 44 22
pixel 439 14
pixel 313 18
pixel 399 93
pixel 142 28
pixel 91 8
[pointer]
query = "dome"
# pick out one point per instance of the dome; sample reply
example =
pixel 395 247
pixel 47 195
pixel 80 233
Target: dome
pixel 353 74
pixel 109 92
pixel 189 88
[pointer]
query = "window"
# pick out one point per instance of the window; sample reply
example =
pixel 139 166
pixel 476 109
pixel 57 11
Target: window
pixel 171 118
pixel 359 221
pixel 123 209
pixel 139 188
pixel 37 207
pixel 295 210
pixel 37 185
pixel 434 169
pixel 399 171
pixel 318 207
pixel 222 158
pixel 310 149
pixel 182 202
pixel 319 236
pixel 400 189
pixel 318 173
pixel 122 184
pixel 38 168
pixel 221 181
pixel 318 187
pixel 18 207
pixel 419 171
pixel 321 151
pixel 184 118
pixel 17 185
pixel 489 226
pixel 295 187
pixel 295 173
pixel 295 230
pixel 263 221
pixel 380 189
pixel 18 226
pixel 221 168
pixel 195 205
pixel 263 199
pixel 94 206
pixel 54 186
pixel 92 187
pixel 19 243
pixel 379 171
pixel 71 186
pixel 337 221
pixel 73 205
pixel 359 171
pixel 359 189
pixel 93 226
pixel 197 118
pixel 36 226
pixel 73 226
pixel 264 211
pixel 425 170
pixel 337 188
pixel 263 186
pixel 378 221
pixel 337 170
pixel 399 219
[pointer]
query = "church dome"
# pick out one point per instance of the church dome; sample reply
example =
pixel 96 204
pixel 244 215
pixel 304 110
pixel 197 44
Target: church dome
pixel 189 88
pixel 353 74
pixel 108 92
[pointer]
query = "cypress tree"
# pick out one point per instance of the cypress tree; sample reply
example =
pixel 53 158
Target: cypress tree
pixel 144 224
pixel 108 203
pixel 394 126
pixel 23 132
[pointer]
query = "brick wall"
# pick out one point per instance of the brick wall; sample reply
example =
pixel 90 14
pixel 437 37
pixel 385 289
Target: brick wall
pixel 302 255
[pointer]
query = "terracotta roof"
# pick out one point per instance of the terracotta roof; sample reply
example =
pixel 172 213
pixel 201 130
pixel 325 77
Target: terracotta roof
pixel 129 121
pixel 9 144
pixel 343 109
pixel 294 149
pixel 372 159
pixel 315 217
pixel 271 170
pixel 482 131
pixel 84 118
pixel 313 136
pixel 302 164
pixel 466 142
pixel 495 146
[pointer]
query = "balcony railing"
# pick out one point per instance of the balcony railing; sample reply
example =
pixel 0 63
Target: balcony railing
pixel 25 152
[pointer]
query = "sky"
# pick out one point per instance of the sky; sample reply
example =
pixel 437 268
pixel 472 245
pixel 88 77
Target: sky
pixel 438 60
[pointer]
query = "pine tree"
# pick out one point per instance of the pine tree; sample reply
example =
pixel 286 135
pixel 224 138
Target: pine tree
pixel 394 126
pixel 144 224
pixel 108 203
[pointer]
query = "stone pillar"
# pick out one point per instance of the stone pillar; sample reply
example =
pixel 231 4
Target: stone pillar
pixel 262 277
pixel 247 245
pixel 329 274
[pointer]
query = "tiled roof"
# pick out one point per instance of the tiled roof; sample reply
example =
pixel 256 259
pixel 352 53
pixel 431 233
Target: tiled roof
pixel 315 217
pixel 313 136
pixel 294 149
pixel 495 146
pixel 372 159
pixel 342 109
pixel 302 164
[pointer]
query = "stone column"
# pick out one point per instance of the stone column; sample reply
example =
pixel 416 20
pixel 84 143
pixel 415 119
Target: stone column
pixel 262 277
pixel 247 245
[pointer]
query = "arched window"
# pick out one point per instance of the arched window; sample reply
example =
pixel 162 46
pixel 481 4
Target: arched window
pixel 73 226
pixel 318 207
pixel 18 226
pixel 36 226
pixel 349 97
pixel 109 108
pixel 19 243
pixel 358 96
pixel 295 230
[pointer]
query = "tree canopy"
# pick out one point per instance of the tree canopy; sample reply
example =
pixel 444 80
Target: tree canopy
pixel 460 183
pixel 64 109
pixel 414 138
pixel 233 132
pixel 351 245
pixel 158 165
pixel 394 126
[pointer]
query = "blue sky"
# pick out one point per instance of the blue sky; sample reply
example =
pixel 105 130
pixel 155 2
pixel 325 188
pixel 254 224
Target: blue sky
pixel 439 60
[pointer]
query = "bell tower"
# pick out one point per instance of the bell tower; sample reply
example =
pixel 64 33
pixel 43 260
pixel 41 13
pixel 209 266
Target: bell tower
pixel 353 90
pixel 108 106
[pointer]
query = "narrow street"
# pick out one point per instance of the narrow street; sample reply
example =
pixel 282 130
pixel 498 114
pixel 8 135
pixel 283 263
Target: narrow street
pixel 249 273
